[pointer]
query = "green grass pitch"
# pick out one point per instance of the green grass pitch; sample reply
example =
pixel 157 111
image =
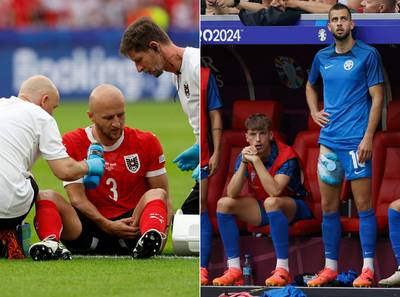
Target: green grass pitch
pixel 164 276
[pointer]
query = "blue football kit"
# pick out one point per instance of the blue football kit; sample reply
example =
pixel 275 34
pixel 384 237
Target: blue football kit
pixel 347 78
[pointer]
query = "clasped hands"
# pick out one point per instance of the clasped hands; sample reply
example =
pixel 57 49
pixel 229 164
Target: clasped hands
pixel 250 154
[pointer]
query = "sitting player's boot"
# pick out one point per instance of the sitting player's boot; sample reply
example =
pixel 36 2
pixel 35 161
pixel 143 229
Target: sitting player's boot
pixel 280 277
pixel 203 276
pixel 49 249
pixel 323 278
pixel 11 248
pixel 231 277
pixel 365 279
pixel 149 244
pixel 391 281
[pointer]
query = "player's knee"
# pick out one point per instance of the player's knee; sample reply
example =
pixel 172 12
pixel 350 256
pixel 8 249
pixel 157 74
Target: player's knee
pixel 157 193
pixel 329 169
pixel 272 204
pixel 226 205
pixel 329 205
pixel 395 205
pixel 49 195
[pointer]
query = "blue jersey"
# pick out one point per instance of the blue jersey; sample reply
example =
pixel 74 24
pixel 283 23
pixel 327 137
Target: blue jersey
pixel 346 78
pixel 213 98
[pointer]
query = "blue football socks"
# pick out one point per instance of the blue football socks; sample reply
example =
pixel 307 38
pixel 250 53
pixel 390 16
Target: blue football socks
pixel 279 228
pixel 331 233
pixel 229 234
pixel 205 239
pixel 368 232
pixel 394 234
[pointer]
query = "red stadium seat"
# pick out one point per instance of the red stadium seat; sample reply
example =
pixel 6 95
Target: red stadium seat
pixel 242 109
pixel 231 146
pixel 385 174
pixel 393 116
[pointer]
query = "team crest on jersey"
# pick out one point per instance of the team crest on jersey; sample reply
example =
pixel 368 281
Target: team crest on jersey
pixel 132 162
pixel 186 89
pixel 348 64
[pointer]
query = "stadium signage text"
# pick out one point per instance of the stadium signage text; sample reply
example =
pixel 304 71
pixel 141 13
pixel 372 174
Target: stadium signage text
pixel 220 35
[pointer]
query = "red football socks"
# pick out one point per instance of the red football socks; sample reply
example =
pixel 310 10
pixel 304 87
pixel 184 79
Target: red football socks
pixel 47 220
pixel 154 216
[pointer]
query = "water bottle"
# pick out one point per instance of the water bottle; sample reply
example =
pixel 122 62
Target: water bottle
pixel 95 150
pixel 24 237
pixel 247 271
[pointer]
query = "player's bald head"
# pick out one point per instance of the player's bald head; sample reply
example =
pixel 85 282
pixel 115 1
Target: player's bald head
pixel 37 86
pixel 105 96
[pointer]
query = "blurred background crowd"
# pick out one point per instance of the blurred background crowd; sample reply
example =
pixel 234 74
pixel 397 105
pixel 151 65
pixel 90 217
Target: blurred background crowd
pixel 71 14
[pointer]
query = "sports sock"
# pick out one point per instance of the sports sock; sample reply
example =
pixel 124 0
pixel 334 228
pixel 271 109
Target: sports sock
pixel 331 264
pixel 368 235
pixel 279 227
pixel 368 263
pixel 47 220
pixel 205 239
pixel 229 234
pixel 154 216
pixel 234 263
pixel 394 234
pixel 283 263
pixel 331 232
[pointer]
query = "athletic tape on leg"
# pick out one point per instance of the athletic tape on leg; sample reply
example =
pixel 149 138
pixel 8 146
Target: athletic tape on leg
pixel 330 171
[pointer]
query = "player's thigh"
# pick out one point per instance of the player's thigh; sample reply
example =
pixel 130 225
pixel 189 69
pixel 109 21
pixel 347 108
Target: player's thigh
pixel 361 189
pixel 395 205
pixel 329 193
pixel 246 209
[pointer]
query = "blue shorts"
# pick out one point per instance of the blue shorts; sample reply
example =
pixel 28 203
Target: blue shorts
pixel 303 212
pixel 353 169
pixel 204 172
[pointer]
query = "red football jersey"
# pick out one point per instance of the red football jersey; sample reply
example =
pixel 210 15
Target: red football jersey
pixel 136 156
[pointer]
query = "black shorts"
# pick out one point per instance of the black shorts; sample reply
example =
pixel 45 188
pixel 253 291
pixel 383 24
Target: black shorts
pixel 14 222
pixel 93 240
pixel 192 202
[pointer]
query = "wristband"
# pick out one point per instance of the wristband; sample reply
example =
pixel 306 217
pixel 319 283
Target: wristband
pixel 245 162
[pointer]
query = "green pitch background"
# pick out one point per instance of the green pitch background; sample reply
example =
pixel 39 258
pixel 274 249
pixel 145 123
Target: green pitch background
pixel 166 276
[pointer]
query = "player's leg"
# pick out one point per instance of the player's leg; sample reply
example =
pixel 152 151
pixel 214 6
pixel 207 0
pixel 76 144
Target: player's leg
pixel 361 189
pixel 360 177
pixel 54 218
pixel 331 228
pixel 151 215
pixel 247 210
pixel 191 203
pixel 9 244
pixel 394 234
pixel 205 234
pixel 281 211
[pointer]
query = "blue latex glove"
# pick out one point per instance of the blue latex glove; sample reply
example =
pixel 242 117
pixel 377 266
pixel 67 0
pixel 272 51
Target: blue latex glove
pixel 189 159
pixel 96 166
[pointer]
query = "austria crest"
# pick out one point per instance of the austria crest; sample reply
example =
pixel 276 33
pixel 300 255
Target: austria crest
pixel 132 162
